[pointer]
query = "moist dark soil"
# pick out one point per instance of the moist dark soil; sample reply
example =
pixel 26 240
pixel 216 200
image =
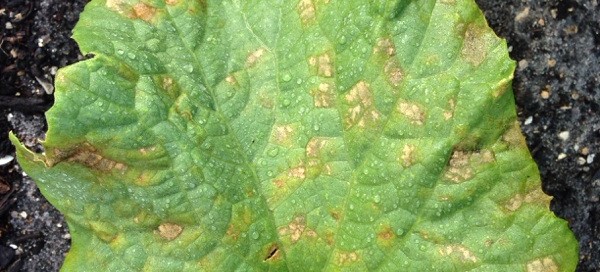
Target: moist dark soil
pixel 557 85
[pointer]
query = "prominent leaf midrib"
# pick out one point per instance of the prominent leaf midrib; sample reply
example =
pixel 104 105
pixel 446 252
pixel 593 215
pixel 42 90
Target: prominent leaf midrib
pixel 222 116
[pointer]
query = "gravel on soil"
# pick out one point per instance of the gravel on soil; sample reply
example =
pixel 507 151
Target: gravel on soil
pixel 557 85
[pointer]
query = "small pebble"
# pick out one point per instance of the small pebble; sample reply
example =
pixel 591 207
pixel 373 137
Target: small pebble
pixel 585 151
pixel 528 121
pixel 545 94
pixel 6 159
pixel 13 246
pixel 581 160
pixel 564 135
pixel 23 214
pixel 523 64
pixel 561 156
pixel 590 158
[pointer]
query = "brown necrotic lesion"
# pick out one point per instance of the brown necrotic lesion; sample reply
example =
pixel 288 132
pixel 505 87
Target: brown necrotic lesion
pixel 86 155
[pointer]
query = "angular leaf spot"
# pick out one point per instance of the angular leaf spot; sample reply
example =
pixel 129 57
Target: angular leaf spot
pixel 116 5
pixel 294 130
pixel 314 146
pixel 294 229
pixel 283 134
pixel 362 110
pixel 323 63
pixel 254 57
pixel 448 114
pixel 513 136
pixel 323 96
pixel 460 167
pixel 306 9
pixel 394 73
pixel 412 111
pixel 535 196
pixel 463 253
pixel 297 172
pixel 475 45
pixel 231 80
pixel 386 234
pixel 345 258
pixel 144 11
pixel 408 155
pixel 169 231
pixel 385 46
pixel 542 265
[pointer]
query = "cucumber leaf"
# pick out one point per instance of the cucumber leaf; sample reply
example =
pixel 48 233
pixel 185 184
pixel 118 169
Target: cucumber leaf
pixel 298 135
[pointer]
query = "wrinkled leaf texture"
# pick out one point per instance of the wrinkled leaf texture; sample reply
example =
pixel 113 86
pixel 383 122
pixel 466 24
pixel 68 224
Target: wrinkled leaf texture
pixel 298 135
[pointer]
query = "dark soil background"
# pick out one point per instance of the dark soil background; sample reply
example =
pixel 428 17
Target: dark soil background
pixel 557 86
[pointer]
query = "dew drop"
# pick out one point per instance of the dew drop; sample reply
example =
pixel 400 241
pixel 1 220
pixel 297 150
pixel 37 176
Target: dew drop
pixel 131 55
pixel 255 235
pixel 377 199
pixel 273 152
pixel 351 207
pixel 316 127
pixel 299 81
pixel 153 45
pixel 189 68
pixel 286 102
pixel 286 77
pixel 343 39
pixel 120 52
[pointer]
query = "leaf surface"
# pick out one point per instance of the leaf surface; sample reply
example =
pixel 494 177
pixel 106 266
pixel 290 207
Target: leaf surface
pixel 300 135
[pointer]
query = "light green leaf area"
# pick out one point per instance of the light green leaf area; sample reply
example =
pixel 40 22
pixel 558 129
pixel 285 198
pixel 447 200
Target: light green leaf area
pixel 294 135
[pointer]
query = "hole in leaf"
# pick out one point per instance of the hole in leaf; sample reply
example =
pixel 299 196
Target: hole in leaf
pixel 273 252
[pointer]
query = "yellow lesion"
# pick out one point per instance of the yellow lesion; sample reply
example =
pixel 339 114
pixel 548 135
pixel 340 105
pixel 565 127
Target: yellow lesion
pixel 546 264
pixel 345 258
pixel 408 156
pixel 475 44
pixel 139 10
pixel 254 57
pixel 463 253
pixel 536 196
pixel 307 11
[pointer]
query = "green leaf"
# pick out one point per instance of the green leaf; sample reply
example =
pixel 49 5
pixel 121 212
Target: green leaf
pixel 298 135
